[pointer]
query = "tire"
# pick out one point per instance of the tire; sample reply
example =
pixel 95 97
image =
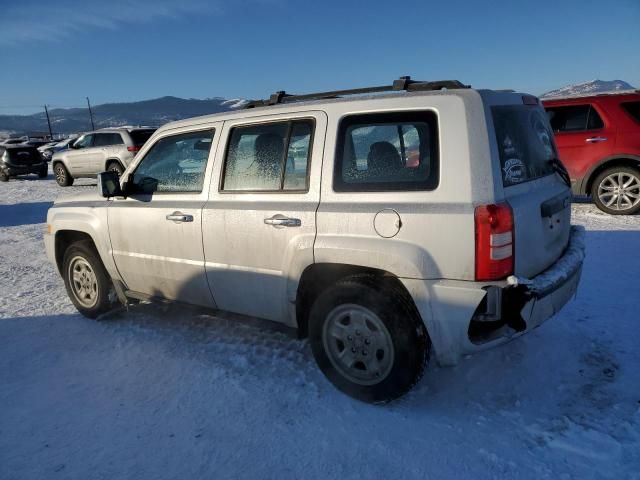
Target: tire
pixel 86 280
pixel 604 188
pixel 44 171
pixel 370 323
pixel 63 178
pixel 115 166
pixel 4 177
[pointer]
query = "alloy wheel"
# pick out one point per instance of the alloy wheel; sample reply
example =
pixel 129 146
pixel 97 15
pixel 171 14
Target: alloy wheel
pixel 619 191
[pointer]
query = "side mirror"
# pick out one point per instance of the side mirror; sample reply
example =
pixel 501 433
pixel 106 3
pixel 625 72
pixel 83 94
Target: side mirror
pixel 109 185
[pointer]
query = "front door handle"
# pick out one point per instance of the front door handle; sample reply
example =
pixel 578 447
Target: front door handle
pixel 596 139
pixel 282 221
pixel 179 217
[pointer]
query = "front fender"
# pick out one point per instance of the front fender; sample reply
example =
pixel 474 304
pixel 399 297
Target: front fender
pixel 89 220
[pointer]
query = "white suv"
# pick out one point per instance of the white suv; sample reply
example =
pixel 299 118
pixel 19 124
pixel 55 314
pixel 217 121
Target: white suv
pixel 94 152
pixel 430 219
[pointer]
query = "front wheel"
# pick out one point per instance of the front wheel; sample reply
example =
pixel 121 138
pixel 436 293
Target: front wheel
pixel 87 281
pixel 617 191
pixel 368 338
pixel 62 175
pixel 4 177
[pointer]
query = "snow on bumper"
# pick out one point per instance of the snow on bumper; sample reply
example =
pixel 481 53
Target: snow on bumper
pixel 564 268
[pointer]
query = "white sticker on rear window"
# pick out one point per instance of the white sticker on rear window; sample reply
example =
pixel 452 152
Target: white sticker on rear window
pixel 513 168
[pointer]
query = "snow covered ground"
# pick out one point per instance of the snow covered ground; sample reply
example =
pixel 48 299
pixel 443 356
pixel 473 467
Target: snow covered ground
pixel 172 393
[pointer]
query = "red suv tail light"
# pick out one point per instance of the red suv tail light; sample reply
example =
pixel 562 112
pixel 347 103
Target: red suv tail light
pixel 494 242
pixel 134 148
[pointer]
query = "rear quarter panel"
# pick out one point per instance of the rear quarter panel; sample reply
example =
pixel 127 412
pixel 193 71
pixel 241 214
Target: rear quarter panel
pixel 436 238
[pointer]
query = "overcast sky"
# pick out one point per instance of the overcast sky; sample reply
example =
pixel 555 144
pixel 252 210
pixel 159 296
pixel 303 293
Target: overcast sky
pixel 59 52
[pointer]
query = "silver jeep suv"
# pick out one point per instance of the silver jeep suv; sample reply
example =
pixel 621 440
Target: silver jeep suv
pixel 94 152
pixel 427 220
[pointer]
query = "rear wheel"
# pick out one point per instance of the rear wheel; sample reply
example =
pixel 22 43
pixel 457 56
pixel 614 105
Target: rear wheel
pixel 617 190
pixel 115 167
pixel 87 281
pixel 44 171
pixel 62 175
pixel 4 177
pixel 368 339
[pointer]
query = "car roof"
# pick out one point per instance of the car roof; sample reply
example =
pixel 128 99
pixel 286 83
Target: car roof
pixel 616 96
pixel 300 106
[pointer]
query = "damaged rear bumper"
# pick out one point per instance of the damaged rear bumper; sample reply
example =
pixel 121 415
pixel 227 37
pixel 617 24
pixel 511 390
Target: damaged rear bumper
pixel 467 317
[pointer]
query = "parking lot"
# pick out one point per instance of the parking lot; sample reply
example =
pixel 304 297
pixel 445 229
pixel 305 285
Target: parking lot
pixel 172 392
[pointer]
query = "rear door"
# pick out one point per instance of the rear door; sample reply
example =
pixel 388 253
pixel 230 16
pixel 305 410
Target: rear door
pixel 582 135
pixel 259 224
pixel 106 146
pixel 539 197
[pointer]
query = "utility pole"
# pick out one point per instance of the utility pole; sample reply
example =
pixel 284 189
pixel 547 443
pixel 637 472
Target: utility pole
pixel 93 127
pixel 48 122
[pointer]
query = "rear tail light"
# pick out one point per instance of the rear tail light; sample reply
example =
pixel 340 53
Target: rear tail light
pixel 494 242
pixel 134 148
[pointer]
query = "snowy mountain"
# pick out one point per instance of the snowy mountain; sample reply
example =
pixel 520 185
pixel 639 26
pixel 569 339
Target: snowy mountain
pixel 148 112
pixel 586 88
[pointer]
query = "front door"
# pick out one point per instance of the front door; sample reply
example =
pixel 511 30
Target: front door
pixel 259 225
pixel 79 156
pixel 156 232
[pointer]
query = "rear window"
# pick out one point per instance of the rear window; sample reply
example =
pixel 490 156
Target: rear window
pixel 387 152
pixel 140 136
pixel 525 143
pixel 633 109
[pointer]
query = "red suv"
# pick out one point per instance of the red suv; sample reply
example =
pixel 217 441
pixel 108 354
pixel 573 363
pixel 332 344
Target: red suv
pixel 598 138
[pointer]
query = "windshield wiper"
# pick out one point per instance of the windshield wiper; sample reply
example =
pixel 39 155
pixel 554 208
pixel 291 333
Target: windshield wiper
pixel 560 169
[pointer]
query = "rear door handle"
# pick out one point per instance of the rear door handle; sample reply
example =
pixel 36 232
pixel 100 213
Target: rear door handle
pixel 282 221
pixel 179 217
pixel 596 139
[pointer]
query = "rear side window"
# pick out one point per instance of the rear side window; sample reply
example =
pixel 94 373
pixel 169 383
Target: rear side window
pixel 525 143
pixel 269 157
pixel 575 118
pixel 107 139
pixel 387 152
pixel 138 137
pixel 633 109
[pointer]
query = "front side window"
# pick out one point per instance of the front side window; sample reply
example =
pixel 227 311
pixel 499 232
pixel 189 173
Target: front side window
pixel 387 152
pixel 84 142
pixel 174 164
pixel 268 157
pixel 633 109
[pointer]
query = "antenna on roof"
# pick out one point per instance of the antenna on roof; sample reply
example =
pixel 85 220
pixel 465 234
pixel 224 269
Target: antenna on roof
pixel 401 84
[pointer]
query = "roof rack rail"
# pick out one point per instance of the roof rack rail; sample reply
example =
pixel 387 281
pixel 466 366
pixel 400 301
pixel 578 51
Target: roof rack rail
pixel 401 84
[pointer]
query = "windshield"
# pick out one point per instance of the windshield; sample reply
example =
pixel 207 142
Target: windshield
pixel 525 143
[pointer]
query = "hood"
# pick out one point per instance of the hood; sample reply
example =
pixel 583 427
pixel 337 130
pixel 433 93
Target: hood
pixel 90 197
